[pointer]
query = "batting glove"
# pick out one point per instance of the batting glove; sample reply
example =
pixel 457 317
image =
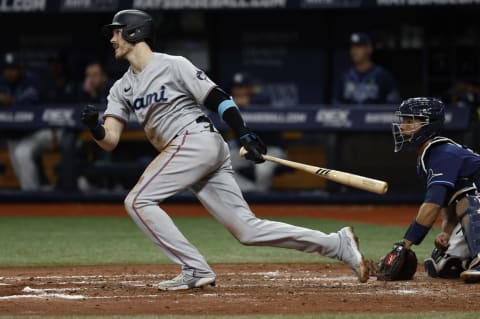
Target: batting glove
pixel 254 147
pixel 89 116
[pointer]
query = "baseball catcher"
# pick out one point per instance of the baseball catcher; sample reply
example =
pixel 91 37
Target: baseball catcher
pixel 451 173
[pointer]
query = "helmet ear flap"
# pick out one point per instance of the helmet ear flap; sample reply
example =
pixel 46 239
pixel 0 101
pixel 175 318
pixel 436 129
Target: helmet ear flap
pixel 137 26
pixel 137 33
pixel 131 33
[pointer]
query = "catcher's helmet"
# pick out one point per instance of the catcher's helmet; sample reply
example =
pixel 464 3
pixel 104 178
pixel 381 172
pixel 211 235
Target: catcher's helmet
pixel 137 26
pixel 430 112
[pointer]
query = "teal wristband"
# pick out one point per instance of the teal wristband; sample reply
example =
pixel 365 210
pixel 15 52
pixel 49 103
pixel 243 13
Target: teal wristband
pixel 416 232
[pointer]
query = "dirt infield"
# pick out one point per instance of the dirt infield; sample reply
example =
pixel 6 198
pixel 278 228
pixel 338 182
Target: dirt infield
pixel 240 289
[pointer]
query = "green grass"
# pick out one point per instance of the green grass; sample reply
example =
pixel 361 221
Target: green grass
pixel 429 315
pixel 107 241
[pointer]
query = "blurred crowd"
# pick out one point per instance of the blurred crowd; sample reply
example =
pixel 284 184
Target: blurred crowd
pixel 362 82
pixel 21 85
pixel 24 85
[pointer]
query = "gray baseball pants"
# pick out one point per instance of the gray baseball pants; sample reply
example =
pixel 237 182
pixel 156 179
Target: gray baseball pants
pixel 198 159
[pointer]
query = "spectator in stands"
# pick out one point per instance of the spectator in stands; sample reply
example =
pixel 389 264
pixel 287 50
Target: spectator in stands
pixel 94 90
pixel 96 84
pixel 365 82
pixel 248 91
pixel 466 95
pixel 60 88
pixel 250 177
pixel 18 87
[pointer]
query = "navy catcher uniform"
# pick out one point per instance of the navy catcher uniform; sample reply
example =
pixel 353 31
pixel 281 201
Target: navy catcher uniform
pixel 451 172
pixel 164 93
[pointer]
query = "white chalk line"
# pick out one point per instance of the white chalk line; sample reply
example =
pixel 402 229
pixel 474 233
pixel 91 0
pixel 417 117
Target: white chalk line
pixel 50 293
pixel 275 274
pixel 84 277
pixel 92 280
pixel 42 294
pixel 273 278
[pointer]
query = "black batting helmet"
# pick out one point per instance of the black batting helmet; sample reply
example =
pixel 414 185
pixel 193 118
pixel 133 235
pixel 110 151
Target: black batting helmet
pixel 137 26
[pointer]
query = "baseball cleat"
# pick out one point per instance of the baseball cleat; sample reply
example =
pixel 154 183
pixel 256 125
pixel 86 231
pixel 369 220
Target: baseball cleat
pixel 472 274
pixel 186 281
pixel 350 253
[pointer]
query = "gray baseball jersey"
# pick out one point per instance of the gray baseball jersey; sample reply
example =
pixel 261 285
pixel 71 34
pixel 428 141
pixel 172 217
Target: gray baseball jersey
pixel 165 98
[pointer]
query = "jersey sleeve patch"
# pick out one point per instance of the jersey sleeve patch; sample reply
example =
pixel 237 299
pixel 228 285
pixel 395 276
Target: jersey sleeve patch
pixel 194 80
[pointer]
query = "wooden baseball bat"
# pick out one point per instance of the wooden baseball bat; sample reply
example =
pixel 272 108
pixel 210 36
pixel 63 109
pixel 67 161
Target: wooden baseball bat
pixel 352 180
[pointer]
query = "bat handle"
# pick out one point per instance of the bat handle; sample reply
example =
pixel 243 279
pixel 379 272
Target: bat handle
pixel 243 151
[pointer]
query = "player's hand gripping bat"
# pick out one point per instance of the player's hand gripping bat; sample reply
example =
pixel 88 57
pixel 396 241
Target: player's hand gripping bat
pixel 352 180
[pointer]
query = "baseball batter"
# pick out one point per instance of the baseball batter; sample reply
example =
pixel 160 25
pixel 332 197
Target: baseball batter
pixel 451 173
pixel 165 94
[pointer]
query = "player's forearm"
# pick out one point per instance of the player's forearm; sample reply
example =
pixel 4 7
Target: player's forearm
pixel 427 214
pixel 109 141
pixel 449 220
pixel 219 102
pixel 235 120
pixel 109 134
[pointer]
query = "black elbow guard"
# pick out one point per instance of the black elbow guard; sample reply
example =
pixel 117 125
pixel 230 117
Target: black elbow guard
pixel 219 102
pixel 215 98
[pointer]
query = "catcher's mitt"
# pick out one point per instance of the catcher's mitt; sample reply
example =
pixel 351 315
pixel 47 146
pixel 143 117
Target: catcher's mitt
pixel 399 264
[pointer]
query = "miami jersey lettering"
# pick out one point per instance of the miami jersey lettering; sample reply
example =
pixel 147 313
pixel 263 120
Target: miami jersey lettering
pixel 149 99
pixel 164 97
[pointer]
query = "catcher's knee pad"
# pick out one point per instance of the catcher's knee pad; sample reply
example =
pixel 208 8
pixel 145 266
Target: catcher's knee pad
pixel 444 266
pixel 468 212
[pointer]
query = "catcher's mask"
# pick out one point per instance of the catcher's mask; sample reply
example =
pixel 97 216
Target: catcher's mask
pixel 136 26
pixel 428 114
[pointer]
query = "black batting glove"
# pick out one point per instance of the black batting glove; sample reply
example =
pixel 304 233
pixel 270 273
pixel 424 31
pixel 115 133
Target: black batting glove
pixel 89 116
pixel 254 147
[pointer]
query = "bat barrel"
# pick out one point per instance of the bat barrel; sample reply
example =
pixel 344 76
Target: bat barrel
pixel 352 180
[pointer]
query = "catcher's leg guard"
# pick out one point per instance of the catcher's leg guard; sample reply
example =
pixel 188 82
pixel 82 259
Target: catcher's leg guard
pixel 457 245
pixel 443 265
pixel 468 212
